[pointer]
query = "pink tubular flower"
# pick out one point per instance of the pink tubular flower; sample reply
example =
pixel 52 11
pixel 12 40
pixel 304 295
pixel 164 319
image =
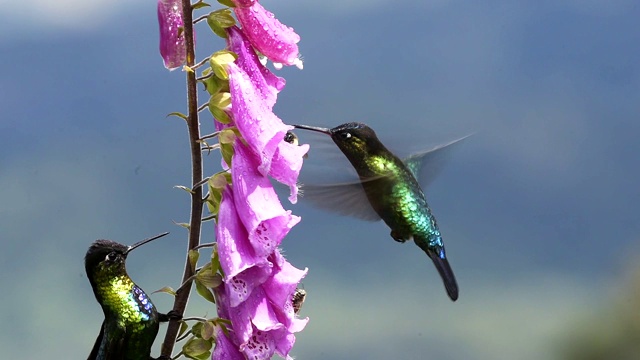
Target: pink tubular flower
pixel 276 41
pixel 258 281
pixel 172 42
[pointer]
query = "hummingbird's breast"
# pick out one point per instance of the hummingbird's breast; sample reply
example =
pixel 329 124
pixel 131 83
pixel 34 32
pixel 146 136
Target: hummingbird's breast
pixel 397 197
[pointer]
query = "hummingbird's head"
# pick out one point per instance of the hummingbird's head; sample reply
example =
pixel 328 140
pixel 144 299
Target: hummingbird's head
pixel 352 138
pixel 107 255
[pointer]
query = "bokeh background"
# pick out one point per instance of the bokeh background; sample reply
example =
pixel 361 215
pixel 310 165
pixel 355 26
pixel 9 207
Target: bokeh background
pixel 539 209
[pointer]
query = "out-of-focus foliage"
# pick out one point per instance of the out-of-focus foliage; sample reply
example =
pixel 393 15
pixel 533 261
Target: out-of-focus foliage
pixel 612 332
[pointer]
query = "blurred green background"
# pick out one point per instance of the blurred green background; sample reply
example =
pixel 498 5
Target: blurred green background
pixel 539 209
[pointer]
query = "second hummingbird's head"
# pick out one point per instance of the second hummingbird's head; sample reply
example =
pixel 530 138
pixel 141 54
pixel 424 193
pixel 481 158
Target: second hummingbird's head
pixel 104 254
pixel 110 256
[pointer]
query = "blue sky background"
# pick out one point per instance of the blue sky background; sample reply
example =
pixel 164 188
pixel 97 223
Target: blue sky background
pixel 538 209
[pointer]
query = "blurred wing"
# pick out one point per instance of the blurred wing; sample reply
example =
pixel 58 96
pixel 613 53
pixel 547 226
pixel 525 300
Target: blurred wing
pixel 346 199
pixel 425 165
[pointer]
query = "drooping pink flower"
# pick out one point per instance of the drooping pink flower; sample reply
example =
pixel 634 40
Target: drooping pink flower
pixel 263 80
pixel 276 41
pixel 172 41
pixel 259 283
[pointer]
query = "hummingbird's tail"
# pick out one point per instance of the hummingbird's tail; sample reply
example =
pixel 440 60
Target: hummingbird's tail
pixel 449 280
pixel 437 255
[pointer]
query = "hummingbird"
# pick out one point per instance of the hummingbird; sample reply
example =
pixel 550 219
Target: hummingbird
pixel 131 321
pixel 391 192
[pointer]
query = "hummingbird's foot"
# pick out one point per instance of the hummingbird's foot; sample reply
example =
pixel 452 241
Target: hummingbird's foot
pixel 171 315
pixel 397 237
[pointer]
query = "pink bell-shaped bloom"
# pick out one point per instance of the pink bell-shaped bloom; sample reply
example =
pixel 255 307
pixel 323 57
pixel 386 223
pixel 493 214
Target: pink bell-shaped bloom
pixel 274 40
pixel 172 41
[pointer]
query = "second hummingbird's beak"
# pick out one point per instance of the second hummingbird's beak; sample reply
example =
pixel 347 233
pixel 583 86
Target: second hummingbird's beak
pixel 140 243
pixel 313 128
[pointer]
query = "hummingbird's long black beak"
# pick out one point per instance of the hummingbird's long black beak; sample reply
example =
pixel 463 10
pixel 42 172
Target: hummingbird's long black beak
pixel 140 243
pixel 314 128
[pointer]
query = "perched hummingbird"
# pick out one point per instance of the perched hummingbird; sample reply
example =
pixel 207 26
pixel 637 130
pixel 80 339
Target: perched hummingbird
pixel 131 321
pixel 391 193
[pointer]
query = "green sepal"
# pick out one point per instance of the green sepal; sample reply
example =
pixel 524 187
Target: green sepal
pixel 216 184
pixel 227 137
pixel 208 278
pixel 211 83
pixel 218 103
pixel 208 329
pixel 219 61
pixel 196 347
pixel 204 291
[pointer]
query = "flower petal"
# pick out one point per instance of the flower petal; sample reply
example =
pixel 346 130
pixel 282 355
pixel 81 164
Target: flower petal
pixel 260 211
pixel 235 251
pixel 263 80
pixel 240 287
pixel 258 125
pixel 172 42
pixel 225 348
pixel 273 39
pixel 286 166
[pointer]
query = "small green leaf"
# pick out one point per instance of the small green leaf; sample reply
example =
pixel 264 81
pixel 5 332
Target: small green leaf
pixel 184 188
pixel 228 3
pixel 166 289
pixel 184 225
pixel 199 5
pixel 204 291
pixel 223 17
pixel 196 347
pixel 183 327
pixel 208 278
pixel 178 114
pixel 227 153
pixel 193 258
pixel 227 136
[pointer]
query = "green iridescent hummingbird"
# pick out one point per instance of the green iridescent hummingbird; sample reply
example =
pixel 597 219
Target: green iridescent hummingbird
pixel 131 321
pixel 391 192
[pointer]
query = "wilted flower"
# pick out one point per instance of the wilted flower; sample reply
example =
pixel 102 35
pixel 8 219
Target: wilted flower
pixel 172 42
pixel 276 41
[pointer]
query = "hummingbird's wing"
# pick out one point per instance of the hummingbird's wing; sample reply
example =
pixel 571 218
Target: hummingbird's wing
pixel 112 349
pixel 425 165
pixel 96 346
pixel 345 198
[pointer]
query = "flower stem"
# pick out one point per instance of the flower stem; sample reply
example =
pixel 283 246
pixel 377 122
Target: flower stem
pixel 195 223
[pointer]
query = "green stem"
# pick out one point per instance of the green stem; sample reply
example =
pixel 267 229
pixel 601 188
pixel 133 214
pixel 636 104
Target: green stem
pixel 182 295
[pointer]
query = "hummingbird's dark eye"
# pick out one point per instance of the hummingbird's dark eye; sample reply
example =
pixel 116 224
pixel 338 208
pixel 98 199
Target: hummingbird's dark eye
pixel 110 256
pixel 345 135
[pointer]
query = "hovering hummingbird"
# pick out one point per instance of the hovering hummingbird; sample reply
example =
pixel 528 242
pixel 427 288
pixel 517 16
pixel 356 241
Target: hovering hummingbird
pixel 131 321
pixel 391 192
